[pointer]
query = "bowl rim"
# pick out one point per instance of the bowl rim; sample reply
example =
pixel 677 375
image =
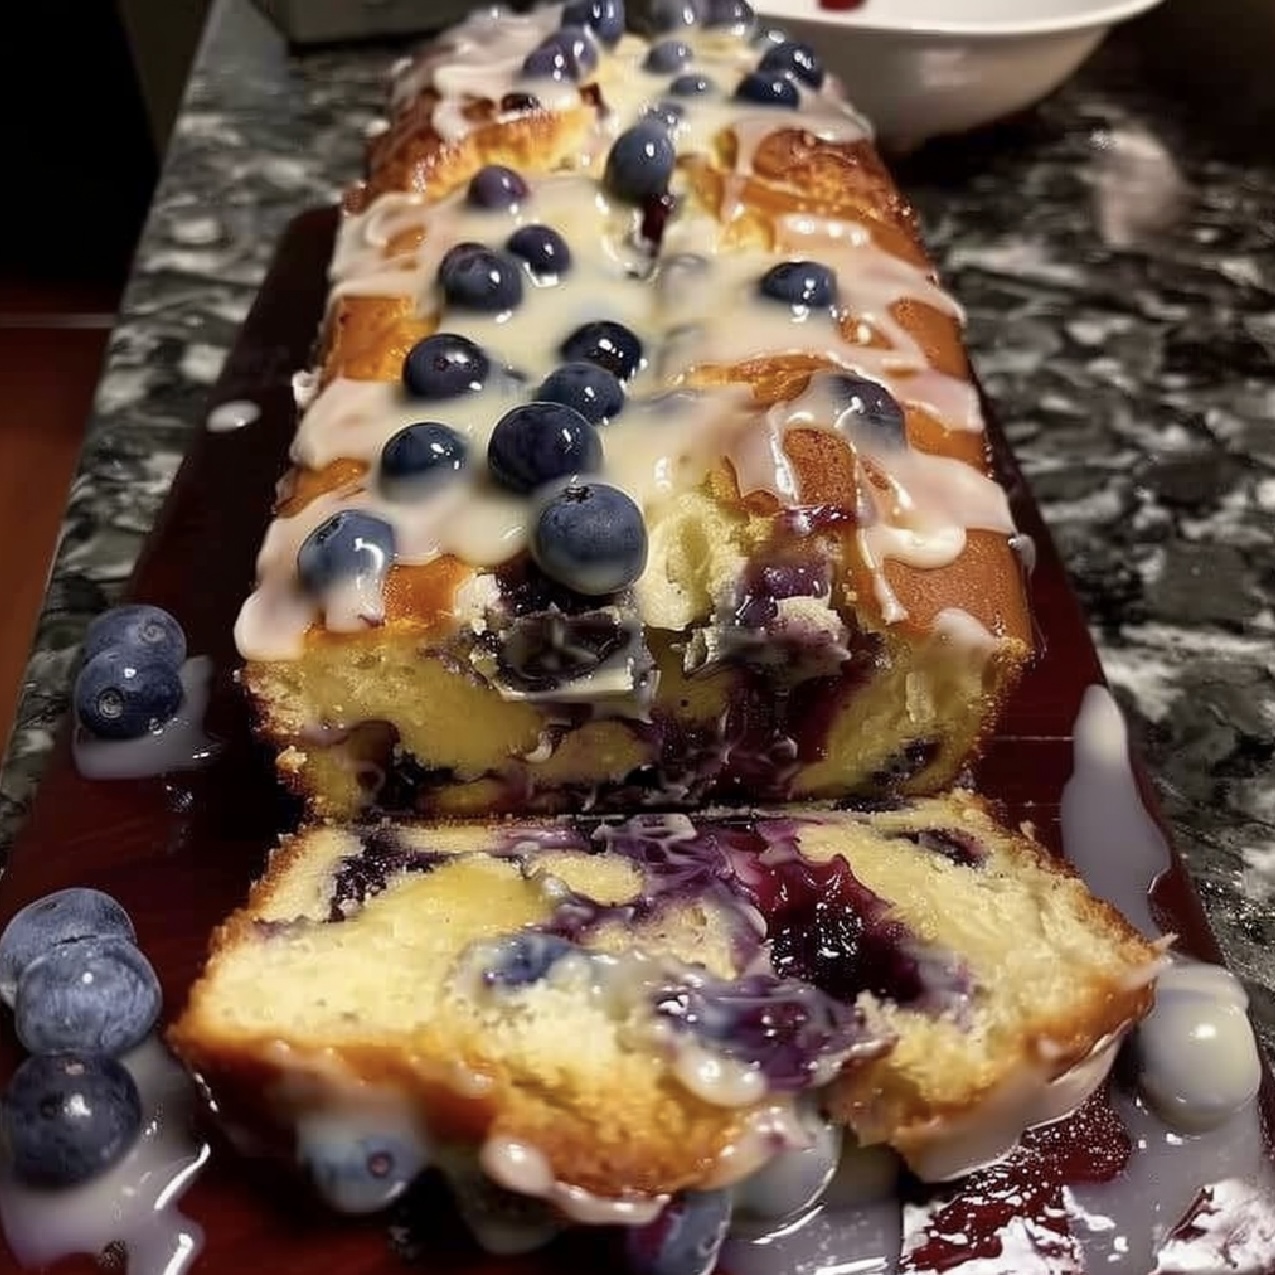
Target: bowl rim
pixel 1097 15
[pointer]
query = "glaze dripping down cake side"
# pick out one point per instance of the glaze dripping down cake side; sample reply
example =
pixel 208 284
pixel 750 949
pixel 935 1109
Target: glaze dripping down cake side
pixel 647 1005
pixel 750 550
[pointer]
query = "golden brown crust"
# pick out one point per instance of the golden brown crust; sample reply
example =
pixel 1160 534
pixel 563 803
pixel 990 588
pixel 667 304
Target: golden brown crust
pixel 793 171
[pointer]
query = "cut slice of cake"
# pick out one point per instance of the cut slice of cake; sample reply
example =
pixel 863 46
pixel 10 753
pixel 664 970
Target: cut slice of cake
pixel 608 1012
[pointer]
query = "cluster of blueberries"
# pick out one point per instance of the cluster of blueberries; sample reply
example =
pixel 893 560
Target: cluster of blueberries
pixel 642 159
pixel 588 536
pixel 129 682
pixel 82 994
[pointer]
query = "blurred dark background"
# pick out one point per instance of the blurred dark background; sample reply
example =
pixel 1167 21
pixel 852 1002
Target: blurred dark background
pixel 86 90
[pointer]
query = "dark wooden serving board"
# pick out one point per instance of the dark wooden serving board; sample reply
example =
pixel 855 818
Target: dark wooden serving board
pixel 180 852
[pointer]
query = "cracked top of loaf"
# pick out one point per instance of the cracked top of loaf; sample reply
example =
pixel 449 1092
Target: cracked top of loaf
pixel 777 377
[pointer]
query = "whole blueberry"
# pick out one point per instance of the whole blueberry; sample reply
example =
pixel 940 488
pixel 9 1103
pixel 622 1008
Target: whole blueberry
pixel 543 249
pixel 118 696
pixel 608 344
pixel 97 995
pixel 535 443
pixel 605 18
pixel 478 278
pixel 666 112
pixel 738 15
pixel 866 403
pixel 767 89
pixel 359 1175
pixel 419 457
pixel 567 54
pixel 667 56
pixel 590 538
pixel 445 365
pixel 143 630
pixel 68 1117
pixel 686 1237
pixel 349 545
pixel 496 187
pixel 60 917
pixel 640 162
pixel 674 15
pixel 591 390
pixel 690 85
pixel 796 59
pixel 525 958
pixel 800 283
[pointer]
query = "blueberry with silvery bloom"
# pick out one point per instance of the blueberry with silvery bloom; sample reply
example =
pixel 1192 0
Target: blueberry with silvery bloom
pixel 63 916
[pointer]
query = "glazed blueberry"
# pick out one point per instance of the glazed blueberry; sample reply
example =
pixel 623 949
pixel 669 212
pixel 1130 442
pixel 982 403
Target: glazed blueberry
pixel 146 631
pixel 445 365
pixel 667 56
pixel 608 344
pixel 800 283
pixel 665 112
pixel 349 545
pixel 418 457
pixel 640 162
pixel 674 15
pixel 547 650
pixel 474 277
pixel 869 404
pixel 795 59
pixel 692 85
pixel 525 958
pixel 605 18
pixel 590 538
pixel 60 917
pixel 542 248
pixel 591 390
pixel 97 995
pixel 736 14
pixel 118 696
pixel 361 1175
pixel 685 1239
pixel 767 89
pixel 567 54
pixel 496 187
pixel 535 443
pixel 68 1117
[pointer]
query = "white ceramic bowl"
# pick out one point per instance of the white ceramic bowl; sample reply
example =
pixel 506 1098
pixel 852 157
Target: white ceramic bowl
pixel 918 68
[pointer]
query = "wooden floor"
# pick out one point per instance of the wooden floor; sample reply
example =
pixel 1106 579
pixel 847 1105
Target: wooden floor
pixel 52 340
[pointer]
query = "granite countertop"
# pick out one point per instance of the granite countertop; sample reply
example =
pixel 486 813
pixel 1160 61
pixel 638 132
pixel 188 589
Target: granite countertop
pixel 1116 266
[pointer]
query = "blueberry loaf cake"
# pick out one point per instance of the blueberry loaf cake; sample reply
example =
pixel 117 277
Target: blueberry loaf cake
pixel 603 1011
pixel 640 462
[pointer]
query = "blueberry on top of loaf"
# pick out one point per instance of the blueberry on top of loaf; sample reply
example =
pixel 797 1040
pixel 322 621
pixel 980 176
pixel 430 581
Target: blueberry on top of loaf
pixel 638 998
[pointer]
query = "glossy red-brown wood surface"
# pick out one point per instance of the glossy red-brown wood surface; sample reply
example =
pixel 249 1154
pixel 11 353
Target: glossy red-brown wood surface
pixel 180 852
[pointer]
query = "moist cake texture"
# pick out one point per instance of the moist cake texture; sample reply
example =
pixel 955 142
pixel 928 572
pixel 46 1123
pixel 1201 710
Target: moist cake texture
pixel 640 463
pixel 651 1002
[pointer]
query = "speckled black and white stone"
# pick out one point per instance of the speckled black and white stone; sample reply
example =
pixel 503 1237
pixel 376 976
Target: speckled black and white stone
pixel 1118 271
